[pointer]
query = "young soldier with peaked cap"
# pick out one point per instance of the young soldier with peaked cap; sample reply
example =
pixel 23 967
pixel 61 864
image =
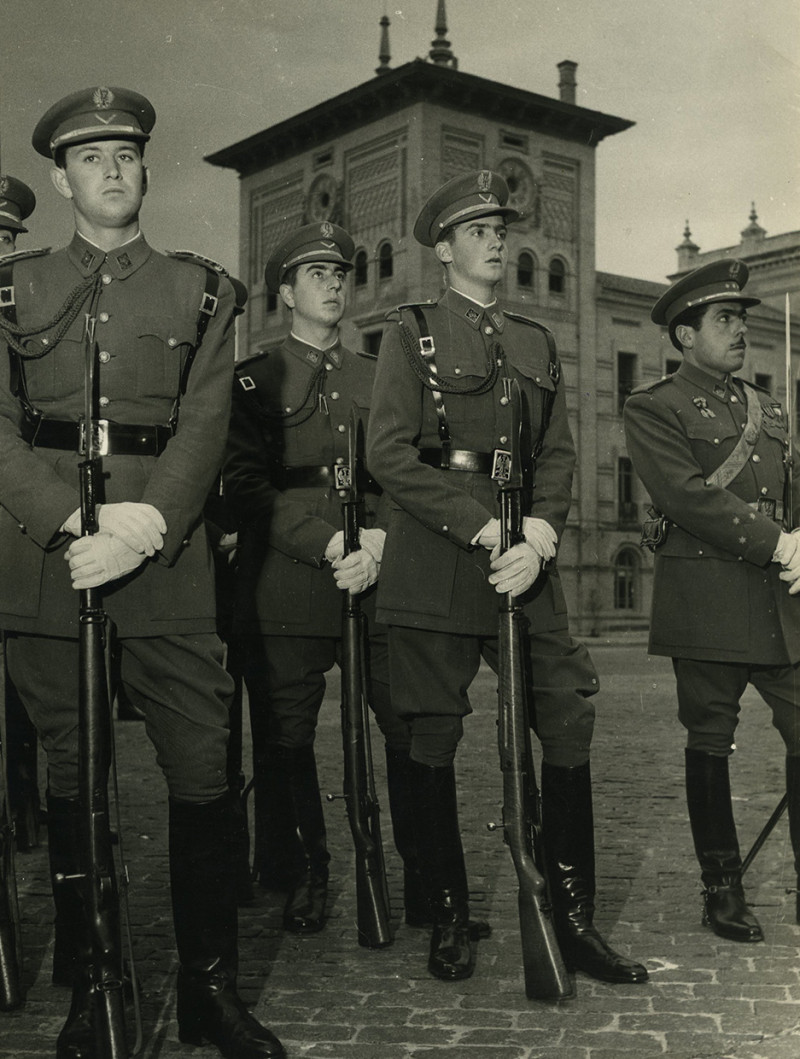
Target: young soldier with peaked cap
pixel 289 431
pixel 441 576
pixel 163 369
pixel 712 452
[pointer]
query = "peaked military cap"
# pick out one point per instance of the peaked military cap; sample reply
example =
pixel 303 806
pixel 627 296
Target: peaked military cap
pixel 463 198
pixel 720 281
pixel 94 113
pixel 312 242
pixel 17 202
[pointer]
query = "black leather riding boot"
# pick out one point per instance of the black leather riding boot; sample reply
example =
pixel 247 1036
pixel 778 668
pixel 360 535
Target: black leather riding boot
pixel 401 805
pixel 275 828
pixel 793 791
pixel 203 883
pixel 62 849
pixel 708 799
pixel 568 839
pixel 21 750
pixel 444 876
pixel 304 912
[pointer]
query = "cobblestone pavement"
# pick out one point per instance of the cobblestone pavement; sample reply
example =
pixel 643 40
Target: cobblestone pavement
pixel 329 999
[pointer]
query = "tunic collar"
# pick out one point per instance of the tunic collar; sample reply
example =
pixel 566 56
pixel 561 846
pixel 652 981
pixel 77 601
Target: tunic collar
pixel 471 311
pixel 720 388
pixel 311 355
pixel 120 263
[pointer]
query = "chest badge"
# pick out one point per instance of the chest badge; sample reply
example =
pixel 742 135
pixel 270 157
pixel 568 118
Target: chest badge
pixel 702 404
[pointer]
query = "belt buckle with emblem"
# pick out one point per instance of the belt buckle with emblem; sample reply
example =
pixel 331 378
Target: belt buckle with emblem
pixel 342 476
pixel 501 465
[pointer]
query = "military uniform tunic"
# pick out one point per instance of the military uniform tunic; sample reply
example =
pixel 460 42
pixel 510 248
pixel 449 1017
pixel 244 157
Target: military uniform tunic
pixel 433 578
pixel 716 594
pixel 146 323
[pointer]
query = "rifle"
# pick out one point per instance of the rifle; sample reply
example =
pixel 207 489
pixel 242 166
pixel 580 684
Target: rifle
pixel 11 994
pixel 372 895
pixel 97 877
pixel 546 976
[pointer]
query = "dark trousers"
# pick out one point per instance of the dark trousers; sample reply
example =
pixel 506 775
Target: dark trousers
pixel 285 678
pixel 178 682
pixel 431 673
pixel 709 694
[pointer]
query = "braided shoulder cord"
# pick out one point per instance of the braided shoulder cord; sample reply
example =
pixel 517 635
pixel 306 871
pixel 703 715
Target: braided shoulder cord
pixel 301 414
pixel 12 332
pixel 436 382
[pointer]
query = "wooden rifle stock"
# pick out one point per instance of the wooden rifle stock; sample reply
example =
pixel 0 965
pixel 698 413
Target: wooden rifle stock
pixel 546 976
pixel 11 994
pixel 97 874
pixel 372 895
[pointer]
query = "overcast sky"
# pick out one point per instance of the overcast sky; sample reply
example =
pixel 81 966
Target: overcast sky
pixel 714 89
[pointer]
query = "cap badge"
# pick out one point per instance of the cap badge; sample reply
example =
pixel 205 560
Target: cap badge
pixel 734 270
pixel 103 98
pixel 702 404
pixel 484 180
pixel 326 229
pixel 3 186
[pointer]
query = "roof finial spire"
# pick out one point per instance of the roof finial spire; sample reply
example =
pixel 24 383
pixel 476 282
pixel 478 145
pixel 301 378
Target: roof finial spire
pixel 384 55
pixel 754 229
pixel 440 52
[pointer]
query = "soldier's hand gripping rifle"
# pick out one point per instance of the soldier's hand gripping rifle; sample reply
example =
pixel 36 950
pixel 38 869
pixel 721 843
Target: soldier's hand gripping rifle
pixel 546 976
pixel 374 927
pixel 97 879
pixel 11 995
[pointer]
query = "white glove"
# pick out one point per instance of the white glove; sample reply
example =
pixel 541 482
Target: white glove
pixel 787 553
pixel 356 572
pixel 541 535
pixel 335 549
pixel 72 525
pixel 373 540
pixel 489 536
pixel 515 570
pixel 103 557
pixel 140 526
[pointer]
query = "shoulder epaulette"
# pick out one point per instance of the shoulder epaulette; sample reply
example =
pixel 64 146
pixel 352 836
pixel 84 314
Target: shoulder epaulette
pixel 242 364
pixel 527 320
pixel 398 309
pixel 647 387
pixel 198 259
pixel 752 385
pixel 20 255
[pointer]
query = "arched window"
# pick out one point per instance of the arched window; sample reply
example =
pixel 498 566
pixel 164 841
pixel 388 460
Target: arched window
pixel 557 277
pixel 525 270
pixel 626 569
pixel 385 262
pixel 360 264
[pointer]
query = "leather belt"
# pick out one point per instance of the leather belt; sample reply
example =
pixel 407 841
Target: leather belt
pixel 111 439
pixel 322 478
pixel 460 460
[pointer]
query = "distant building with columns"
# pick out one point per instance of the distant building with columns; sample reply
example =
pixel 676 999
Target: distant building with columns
pixel 370 157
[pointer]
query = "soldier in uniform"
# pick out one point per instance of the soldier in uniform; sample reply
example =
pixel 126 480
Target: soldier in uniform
pixel 712 451
pixel 289 430
pixel 163 370
pixel 17 203
pixel 430 444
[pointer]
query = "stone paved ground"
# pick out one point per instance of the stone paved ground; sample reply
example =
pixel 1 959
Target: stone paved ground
pixel 329 999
